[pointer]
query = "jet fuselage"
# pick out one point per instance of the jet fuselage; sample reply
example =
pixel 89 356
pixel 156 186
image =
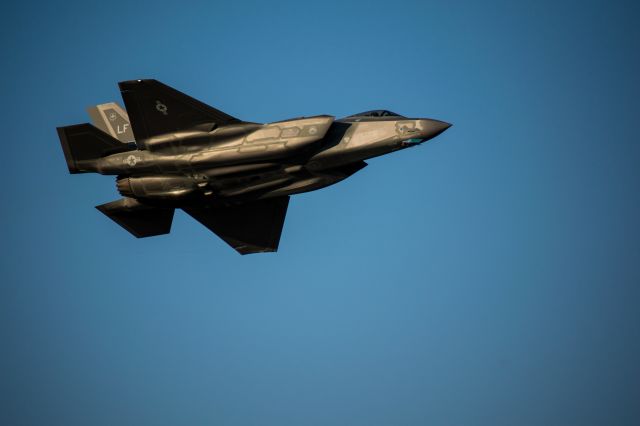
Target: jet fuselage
pixel 233 176
pixel 250 160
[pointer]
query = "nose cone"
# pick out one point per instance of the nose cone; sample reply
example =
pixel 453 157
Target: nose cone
pixel 432 128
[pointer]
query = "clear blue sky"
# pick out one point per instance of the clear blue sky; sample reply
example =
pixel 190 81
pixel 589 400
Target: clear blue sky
pixel 489 277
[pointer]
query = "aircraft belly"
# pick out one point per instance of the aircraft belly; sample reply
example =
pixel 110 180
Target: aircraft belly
pixel 302 185
pixel 303 181
pixel 267 184
pixel 250 182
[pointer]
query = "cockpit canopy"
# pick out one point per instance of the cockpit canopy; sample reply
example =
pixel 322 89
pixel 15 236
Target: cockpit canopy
pixel 376 113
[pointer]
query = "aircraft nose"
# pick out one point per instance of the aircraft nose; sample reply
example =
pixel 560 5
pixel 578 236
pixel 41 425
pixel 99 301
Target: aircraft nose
pixel 432 128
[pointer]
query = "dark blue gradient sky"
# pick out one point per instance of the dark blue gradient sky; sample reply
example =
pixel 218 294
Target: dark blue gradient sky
pixel 489 277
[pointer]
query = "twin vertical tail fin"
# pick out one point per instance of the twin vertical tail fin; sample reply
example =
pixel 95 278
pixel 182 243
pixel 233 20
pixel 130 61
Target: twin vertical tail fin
pixel 112 119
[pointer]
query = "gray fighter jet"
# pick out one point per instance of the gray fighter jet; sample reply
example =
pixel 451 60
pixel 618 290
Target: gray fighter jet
pixel 235 177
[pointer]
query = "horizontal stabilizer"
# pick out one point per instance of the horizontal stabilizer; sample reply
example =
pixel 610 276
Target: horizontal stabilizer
pixel 249 228
pixel 82 144
pixel 155 108
pixel 139 219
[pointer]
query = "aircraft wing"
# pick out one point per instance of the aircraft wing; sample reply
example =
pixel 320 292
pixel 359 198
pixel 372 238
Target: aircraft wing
pixel 155 108
pixel 249 228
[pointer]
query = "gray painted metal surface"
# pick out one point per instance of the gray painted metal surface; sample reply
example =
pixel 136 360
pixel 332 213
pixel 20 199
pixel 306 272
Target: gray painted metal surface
pixel 234 177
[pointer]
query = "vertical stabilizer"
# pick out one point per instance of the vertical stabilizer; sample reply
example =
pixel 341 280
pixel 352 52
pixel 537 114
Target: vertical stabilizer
pixel 112 119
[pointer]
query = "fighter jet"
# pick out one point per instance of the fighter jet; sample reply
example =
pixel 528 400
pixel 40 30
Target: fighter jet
pixel 169 151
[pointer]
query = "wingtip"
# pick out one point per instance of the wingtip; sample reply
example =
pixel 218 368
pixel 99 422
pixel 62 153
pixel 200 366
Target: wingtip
pixel 129 83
